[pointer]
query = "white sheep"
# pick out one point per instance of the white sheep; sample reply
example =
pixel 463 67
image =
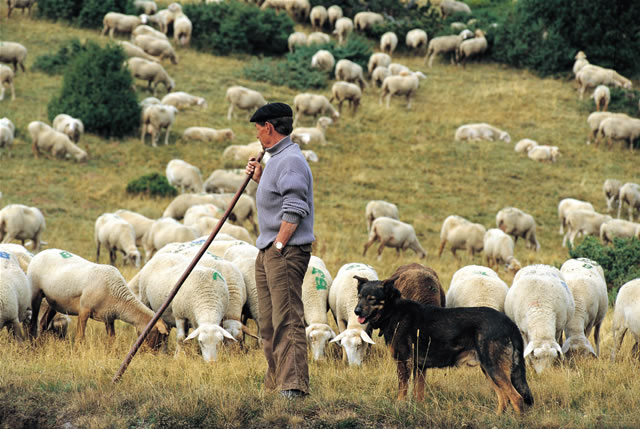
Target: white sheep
pixel 7 133
pixel 140 223
pixel 45 138
pixel 315 293
pixel 156 117
pixel 182 29
pixel 19 252
pixel 540 303
pixel 620 128
pixel 450 7
pixel 626 317
pixel 243 98
pixel 205 134
pixel 147 30
pixel 66 124
pixel 296 39
pixel 334 13
pixel 14 53
pixel 481 131
pixel 158 48
pixel 148 6
pixel 242 152
pixel 152 72
pixel 147 101
pixel 343 27
pixel 313 135
pixel 544 153
pixel 366 20
pixel 19 4
pixel 313 105
pixel 618 228
pixel 114 21
pixel 406 85
pixel 220 181
pixel 581 61
pixel 116 234
pixel 185 176
pixel 525 145
pixel 595 119
pixel 476 286
pixel 388 42
pixel 442 45
pixel 179 206
pixel 416 39
pixel 343 298
pixel 298 9
pixel 378 59
pixel 471 47
pixel 318 16
pixel 317 38
pixel 592 76
pixel 162 19
pixel 379 75
pixel 602 97
pixel 393 233
pixel 15 295
pixel 461 234
pixel 205 224
pixel 164 231
pixel 498 249
pixel 379 208
pixel 323 60
pixel 349 71
pixel 77 287
pixel 566 205
pixel 6 79
pixel 244 209
pixel 20 222
pixel 193 213
pixel 182 100
pixel 629 194
pixel 611 190
pixel 585 222
pixel 517 223
pixel 396 69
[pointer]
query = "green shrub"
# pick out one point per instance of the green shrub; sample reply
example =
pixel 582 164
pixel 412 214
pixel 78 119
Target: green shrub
pixel 85 13
pixel 624 101
pixel 621 262
pixel 154 184
pixel 223 28
pixel 96 88
pixel 55 63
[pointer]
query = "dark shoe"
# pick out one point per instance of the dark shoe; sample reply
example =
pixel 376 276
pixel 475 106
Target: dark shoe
pixel 292 393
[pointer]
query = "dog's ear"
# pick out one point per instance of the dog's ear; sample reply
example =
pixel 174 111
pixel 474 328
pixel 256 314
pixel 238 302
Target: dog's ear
pixel 390 291
pixel 361 281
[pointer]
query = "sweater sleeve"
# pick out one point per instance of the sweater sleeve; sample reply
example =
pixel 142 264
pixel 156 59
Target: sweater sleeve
pixel 293 187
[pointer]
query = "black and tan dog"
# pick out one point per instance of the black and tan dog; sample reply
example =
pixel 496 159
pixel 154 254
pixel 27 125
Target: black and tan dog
pixel 440 337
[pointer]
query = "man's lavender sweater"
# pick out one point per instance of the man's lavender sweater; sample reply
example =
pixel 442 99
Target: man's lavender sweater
pixel 285 192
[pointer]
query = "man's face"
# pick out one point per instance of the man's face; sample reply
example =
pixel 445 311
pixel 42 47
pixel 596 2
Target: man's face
pixel 262 132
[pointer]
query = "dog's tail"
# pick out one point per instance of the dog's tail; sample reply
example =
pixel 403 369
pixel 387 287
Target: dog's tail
pixel 519 371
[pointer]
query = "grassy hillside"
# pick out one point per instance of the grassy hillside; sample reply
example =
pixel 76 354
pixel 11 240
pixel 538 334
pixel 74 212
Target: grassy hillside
pixel 407 157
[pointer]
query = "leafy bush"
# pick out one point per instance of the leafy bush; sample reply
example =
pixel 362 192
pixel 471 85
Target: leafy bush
pixel 87 13
pixel 625 101
pixel 153 184
pixel 97 89
pixel 223 28
pixel 55 63
pixel 621 263
pixel 296 71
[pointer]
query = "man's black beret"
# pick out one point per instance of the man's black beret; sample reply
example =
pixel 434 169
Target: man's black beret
pixel 271 111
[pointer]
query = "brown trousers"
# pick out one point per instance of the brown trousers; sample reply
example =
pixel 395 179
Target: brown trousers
pixel 279 276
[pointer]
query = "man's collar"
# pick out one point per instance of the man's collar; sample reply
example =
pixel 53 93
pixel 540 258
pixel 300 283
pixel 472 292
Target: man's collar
pixel 280 146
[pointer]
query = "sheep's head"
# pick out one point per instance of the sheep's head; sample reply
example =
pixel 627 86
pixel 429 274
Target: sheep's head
pixel 555 153
pixel 580 55
pixel 81 156
pixel 133 257
pixel 512 265
pixel 234 327
pixel 202 102
pixel 317 335
pixel 542 354
pixel 578 346
pixel 324 122
pixel 209 336
pixel 353 341
pixel 504 136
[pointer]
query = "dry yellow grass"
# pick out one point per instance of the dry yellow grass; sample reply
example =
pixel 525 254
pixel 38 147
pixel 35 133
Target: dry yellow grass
pixel 407 157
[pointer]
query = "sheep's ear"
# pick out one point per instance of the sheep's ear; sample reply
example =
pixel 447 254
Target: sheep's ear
pixel 249 333
pixel 529 349
pixel 333 334
pixel 557 348
pixel 366 338
pixel 338 338
pixel 226 334
pixel 193 335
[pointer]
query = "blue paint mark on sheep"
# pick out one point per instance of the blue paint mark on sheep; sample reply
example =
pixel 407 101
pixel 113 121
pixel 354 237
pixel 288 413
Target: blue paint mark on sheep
pixel 5 255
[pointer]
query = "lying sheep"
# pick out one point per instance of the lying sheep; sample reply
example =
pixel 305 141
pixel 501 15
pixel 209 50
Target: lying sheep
pixel 323 60
pixel 471 48
pixel 477 286
pixel 343 27
pixel 366 20
pixel 116 234
pixel 498 249
pixel 393 233
pixel 611 189
pixel 182 29
pixel 19 4
pixel 164 231
pixel 156 117
pixel 318 16
pixel 220 181
pixel 625 317
pixel 66 124
pixel 541 304
pixel 581 61
pixel 602 97
pixel 378 59
pixel 481 131
pixel 317 38
pixel 343 298
pixel 181 100
pixel 620 128
pixel 15 295
pixel 45 138
pixel 208 135
pixel 146 30
pixel 349 71
pixel 313 105
pixel 14 53
pixel 419 283
pixel 315 293
pixel 379 208
pixel 416 39
pixel 379 75
pixel 334 13
pixel 140 223
pixel 406 85
pixel 450 7
pixel 314 135
pixel 149 7
pixel 585 222
pixel 158 48
pixel 242 152
pixel 6 79
pixel 388 42
pixel 517 223
pixel 544 153
pixel 296 39
pixel 243 98
pixel 185 176
pixel 618 228
pixel 629 194
pixel 20 222
pixel 461 234
pixel 61 278
pixel 566 205
pixel 152 72
pixel 114 21
pixel 7 133
pixel 592 76
pixel 525 145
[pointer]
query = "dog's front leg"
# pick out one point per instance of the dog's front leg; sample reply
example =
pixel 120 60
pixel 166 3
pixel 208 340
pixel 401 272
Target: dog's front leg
pixel 418 383
pixel 403 378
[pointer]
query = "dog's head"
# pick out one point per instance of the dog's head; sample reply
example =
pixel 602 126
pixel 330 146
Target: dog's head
pixel 373 296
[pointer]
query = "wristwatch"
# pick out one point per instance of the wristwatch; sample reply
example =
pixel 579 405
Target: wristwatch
pixel 279 245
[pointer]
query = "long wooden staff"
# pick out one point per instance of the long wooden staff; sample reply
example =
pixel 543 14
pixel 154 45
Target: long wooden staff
pixel 181 280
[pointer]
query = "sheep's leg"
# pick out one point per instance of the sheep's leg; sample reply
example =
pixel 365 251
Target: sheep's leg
pixel 441 249
pixel 47 318
pixel 104 30
pixel 631 212
pixel 618 337
pixel 606 105
pixel 181 333
pixel 388 99
pixel 98 251
pixel 383 244
pixel 596 337
pixel 340 106
pixel 368 244
pixel 112 256
pixel 83 316
pixel 34 148
pixel 111 330
pixel 230 111
pixel 111 31
pixel 166 136
pixel 13 91
pixel 409 97
pixel 16 329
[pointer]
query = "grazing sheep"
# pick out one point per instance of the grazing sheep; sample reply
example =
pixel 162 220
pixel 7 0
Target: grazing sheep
pixel 461 234
pixel 620 128
pixel 116 234
pixel 366 20
pixel 228 181
pixel 185 176
pixel 180 204
pixel 114 21
pixel 146 30
pixel 318 16
pixel 66 124
pixel 45 138
pixel 296 39
pixel 602 97
pixel 481 131
pixel 207 135
pixel 611 189
pixel 149 7
pixel 277 5
pixel 19 4
pixel 315 293
pixel 314 135
pixel 591 76
pixel 182 28
pixel 625 317
pixel 585 222
pixel 317 38
pixel 7 130
pixel 156 47
pixel 406 85
pixel 544 153
pixel 471 48
pixel 181 100
pixel 450 7
pixel 58 325
pixel 477 286
pixel 243 98
pixel 140 223
pixel 343 298
pixel 323 60
pixel 334 13
pixel 378 59
pixel 379 75
pixel 525 145
pixel 156 117
pixel 517 223
pixel 445 45
pixel 393 233
pixel 298 9
pixel 618 228
pixel 15 295
pixel 388 42
pixel 162 19
pixel 419 283
pixel 131 51
pixel 346 91
pixel 242 152
pixel 6 79
pixel 194 213
pixel 205 224
pixel 14 53
pixel 243 210
pixel 349 71
pixel 164 231
pixel 567 205
pixel 498 249
pixel 313 105
pixel 379 208
pixel 541 304
pixel 581 61
pixel 629 194
pixel 74 286
pixel 416 39
pixel 152 72
pixel 396 69
pixel 595 119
